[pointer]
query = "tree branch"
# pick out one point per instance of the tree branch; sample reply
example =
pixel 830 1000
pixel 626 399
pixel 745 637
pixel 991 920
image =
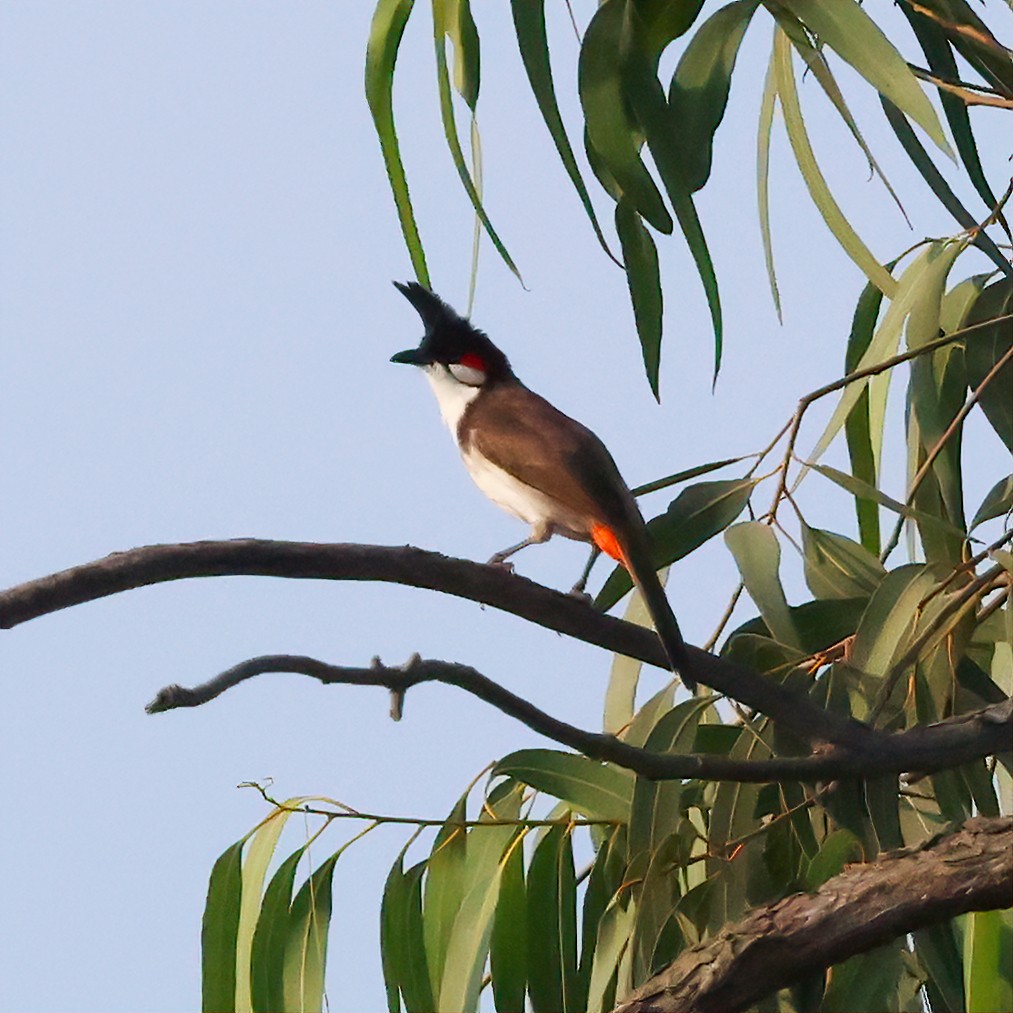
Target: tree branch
pixel 490 585
pixel 863 907
pixel 924 748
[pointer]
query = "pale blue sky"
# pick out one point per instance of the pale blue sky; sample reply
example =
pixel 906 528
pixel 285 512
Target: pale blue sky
pixel 196 316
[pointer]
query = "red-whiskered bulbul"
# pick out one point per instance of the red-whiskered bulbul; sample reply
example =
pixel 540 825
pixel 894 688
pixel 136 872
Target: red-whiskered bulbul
pixel 532 460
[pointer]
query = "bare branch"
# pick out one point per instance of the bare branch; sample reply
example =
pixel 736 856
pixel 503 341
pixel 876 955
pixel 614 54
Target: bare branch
pixel 863 907
pixel 490 585
pixel 924 748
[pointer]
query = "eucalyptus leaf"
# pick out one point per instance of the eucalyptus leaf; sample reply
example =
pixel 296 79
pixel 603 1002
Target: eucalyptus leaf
pixel 997 502
pixel 837 566
pixel 219 932
pixel 306 947
pixel 983 350
pixel 698 513
pixel 601 791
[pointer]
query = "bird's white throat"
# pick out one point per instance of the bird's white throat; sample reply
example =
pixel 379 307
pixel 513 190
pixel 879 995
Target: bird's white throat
pixel 451 395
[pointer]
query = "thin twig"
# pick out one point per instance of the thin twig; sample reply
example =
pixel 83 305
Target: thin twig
pixel 969 94
pixel 923 748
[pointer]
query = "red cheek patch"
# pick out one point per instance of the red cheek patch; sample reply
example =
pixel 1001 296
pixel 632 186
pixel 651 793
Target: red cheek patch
pixel 473 361
pixel 605 538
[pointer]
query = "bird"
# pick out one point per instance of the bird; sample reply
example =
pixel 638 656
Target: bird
pixel 538 464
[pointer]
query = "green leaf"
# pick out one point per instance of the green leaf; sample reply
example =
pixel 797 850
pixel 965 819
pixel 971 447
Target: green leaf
pixel 814 180
pixel 529 26
pixel 640 257
pixel 444 889
pixel 938 954
pixel 508 946
pixel 552 924
pixel 817 63
pixel 621 693
pixel 306 949
pixel 839 848
pixel 648 716
pixel 654 811
pixel 698 513
pixel 219 932
pixel 938 185
pixel 763 130
pixel 646 98
pixel 446 18
pixel 698 93
pixel 983 349
pixel 658 895
pixel 610 133
pixel 939 56
pixel 758 557
pixel 867 981
pixel 837 567
pixel 468 945
pixel 845 27
pixel 267 956
pixel 258 856
pixel 684 476
pixel 605 878
pixel 385 34
pixel 888 621
pixel 861 489
pixel 601 791
pixel 997 502
pixel 987 943
pixel 936 260
pixel 614 931
pixel 402 941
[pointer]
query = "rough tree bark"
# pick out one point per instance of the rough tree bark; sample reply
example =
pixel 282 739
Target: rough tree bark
pixel 969 869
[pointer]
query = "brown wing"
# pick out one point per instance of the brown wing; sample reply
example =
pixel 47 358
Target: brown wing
pixel 527 437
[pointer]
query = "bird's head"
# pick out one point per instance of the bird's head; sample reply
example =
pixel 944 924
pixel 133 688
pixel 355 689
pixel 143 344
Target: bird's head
pixel 450 342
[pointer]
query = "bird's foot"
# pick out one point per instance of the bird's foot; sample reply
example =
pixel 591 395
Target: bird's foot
pixel 501 563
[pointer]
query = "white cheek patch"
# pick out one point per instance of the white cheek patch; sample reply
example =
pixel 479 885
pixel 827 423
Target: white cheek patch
pixel 467 374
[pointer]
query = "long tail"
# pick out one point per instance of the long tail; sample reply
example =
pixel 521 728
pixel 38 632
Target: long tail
pixel 634 553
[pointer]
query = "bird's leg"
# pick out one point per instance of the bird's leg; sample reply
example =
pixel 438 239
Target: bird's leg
pixel 539 533
pixel 578 589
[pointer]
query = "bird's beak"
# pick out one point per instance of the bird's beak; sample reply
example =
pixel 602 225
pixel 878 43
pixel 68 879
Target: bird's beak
pixel 412 356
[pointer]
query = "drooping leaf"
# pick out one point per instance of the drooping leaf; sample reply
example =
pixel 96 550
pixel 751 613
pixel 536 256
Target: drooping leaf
pixel 469 940
pixel 984 349
pixel 865 982
pixel 764 126
pixel 219 932
pixel 402 941
pixel 997 502
pixel 938 954
pixel 508 944
pixel 938 185
pixel 447 17
pixel 599 790
pixel 758 556
pixel 614 932
pixel 444 890
pixel 267 958
pixel 653 710
pixel 646 99
pixel 611 134
pixel 848 30
pixel 386 30
pixel 552 923
pixel 640 257
pixel 306 948
pixel 988 940
pixel 658 894
pixel 604 879
pixel 654 812
pixel 935 260
pixel 698 513
pixel 529 26
pixel 698 93
pixel 835 219
pixel 862 442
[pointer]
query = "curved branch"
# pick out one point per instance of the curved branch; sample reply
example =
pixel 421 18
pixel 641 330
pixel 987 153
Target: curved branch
pixel 863 907
pixel 924 748
pixel 490 585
